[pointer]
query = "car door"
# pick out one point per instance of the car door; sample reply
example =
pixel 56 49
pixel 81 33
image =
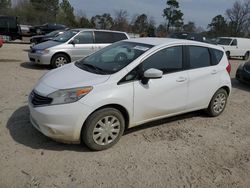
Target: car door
pixel 83 45
pixel 164 96
pixel 234 50
pixel 203 78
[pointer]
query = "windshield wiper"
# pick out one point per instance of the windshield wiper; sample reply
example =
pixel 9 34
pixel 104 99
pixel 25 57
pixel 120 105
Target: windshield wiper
pixel 97 69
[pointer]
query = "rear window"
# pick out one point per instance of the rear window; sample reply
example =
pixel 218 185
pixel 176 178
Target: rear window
pixel 108 37
pixel 218 54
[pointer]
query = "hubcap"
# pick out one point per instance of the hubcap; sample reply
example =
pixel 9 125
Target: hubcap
pixel 219 103
pixel 106 130
pixel 60 61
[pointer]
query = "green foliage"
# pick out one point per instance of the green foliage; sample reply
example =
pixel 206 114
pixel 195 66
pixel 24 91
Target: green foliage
pixel 46 10
pixel 218 27
pixel 104 21
pixel 144 26
pixel 173 15
pixel 66 14
pixel 5 5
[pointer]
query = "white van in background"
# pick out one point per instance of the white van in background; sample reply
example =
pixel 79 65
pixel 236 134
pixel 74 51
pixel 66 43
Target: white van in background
pixel 235 47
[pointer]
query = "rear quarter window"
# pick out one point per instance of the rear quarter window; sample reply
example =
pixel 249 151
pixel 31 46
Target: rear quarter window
pixel 217 56
pixel 108 37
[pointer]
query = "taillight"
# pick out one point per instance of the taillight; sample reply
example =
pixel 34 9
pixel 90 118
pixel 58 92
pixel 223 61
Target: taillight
pixel 228 68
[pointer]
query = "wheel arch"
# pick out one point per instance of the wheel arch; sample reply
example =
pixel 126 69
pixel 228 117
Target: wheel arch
pixel 119 107
pixel 226 88
pixel 64 53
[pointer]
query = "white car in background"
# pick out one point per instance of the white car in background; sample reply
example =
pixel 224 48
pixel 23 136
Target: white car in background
pixel 235 47
pixel 96 98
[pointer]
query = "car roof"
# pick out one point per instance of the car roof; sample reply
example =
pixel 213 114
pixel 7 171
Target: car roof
pixel 88 29
pixel 155 41
pixel 167 41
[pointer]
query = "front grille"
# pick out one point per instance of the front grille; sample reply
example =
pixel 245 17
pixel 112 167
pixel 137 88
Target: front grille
pixel 38 100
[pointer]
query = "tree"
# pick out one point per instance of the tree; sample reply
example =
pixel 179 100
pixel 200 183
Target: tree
pixel 121 21
pixel 104 21
pixel 84 22
pixel 161 31
pixel 25 12
pixel 50 7
pixel 144 26
pixel 5 5
pixel 239 16
pixel 218 27
pixel 66 14
pixel 173 15
pixel 189 27
pixel 140 24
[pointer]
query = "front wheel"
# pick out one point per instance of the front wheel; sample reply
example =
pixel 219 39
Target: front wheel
pixel 103 129
pixel 59 60
pixel 246 56
pixel 218 103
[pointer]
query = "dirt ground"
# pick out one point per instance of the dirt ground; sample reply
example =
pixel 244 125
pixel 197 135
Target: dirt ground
pixel 190 150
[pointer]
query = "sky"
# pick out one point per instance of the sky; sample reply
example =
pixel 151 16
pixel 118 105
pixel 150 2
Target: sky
pixel 199 11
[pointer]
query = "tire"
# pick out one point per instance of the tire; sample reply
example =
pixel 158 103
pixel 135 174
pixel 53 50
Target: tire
pixel 59 60
pixel 228 54
pixel 246 56
pixel 218 103
pixel 97 130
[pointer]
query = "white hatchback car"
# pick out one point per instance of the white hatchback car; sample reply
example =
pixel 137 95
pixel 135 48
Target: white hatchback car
pixel 127 84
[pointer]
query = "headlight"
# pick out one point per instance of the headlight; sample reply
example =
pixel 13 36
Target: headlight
pixel 69 95
pixel 46 51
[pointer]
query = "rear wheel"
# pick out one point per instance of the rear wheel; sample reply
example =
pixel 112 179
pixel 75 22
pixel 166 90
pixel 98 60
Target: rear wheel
pixel 218 103
pixel 103 129
pixel 59 60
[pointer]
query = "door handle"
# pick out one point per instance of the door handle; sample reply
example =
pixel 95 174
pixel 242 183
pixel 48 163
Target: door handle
pixel 214 72
pixel 181 79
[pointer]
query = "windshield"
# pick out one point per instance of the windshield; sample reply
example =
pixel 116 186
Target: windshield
pixel 224 41
pixel 113 58
pixel 65 36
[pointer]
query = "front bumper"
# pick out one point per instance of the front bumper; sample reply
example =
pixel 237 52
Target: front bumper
pixel 43 59
pixel 60 122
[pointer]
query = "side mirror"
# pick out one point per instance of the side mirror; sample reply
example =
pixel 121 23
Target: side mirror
pixel 73 42
pixel 151 74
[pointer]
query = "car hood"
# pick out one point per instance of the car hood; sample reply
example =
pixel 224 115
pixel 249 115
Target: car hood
pixel 70 76
pixel 45 45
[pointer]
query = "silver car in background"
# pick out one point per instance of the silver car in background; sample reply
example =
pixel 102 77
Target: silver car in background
pixel 73 45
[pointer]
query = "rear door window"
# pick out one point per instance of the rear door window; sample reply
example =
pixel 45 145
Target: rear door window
pixel 199 57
